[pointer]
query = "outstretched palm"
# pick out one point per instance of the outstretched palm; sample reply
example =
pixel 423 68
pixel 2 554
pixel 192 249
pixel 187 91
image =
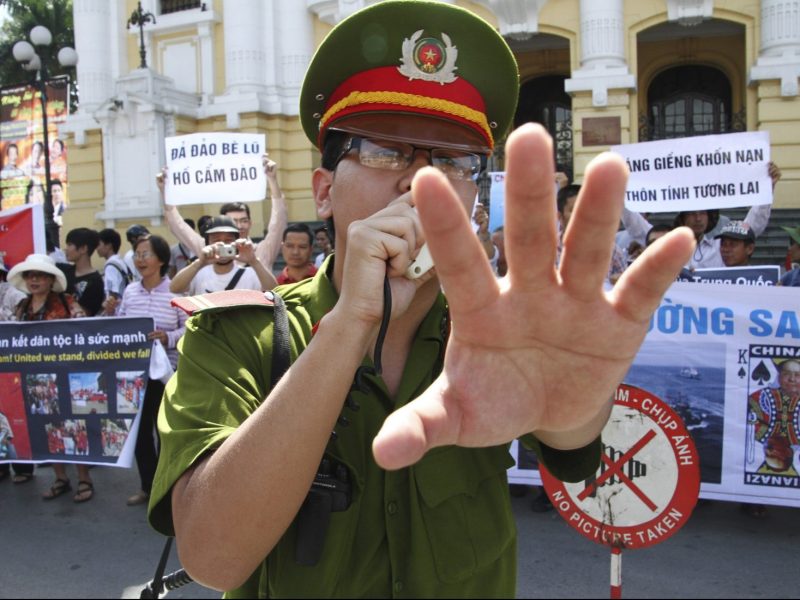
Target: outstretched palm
pixel 543 349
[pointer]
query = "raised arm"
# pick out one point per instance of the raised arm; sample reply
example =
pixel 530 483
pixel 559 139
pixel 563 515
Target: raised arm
pixel 183 278
pixel 268 249
pixel 177 226
pixel 758 216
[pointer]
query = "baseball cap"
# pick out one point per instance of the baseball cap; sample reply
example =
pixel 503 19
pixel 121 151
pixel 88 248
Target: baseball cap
pixel 737 230
pixel 221 225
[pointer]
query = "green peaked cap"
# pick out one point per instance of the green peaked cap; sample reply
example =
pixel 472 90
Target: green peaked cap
pixel 365 50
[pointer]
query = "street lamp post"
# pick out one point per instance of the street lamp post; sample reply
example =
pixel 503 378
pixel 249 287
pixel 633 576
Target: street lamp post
pixel 25 54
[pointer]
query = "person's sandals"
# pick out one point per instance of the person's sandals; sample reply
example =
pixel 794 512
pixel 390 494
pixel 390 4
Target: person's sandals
pixel 22 477
pixel 59 487
pixel 85 492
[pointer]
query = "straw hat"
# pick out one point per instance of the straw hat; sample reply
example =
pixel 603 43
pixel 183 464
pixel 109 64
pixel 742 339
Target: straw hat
pixel 37 262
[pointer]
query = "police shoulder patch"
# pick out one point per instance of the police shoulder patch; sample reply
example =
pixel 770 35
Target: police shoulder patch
pixel 224 300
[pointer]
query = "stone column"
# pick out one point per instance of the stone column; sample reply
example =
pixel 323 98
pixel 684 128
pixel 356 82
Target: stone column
pixel 295 45
pixel 245 60
pixel 603 64
pixel 779 56
pixel 92 41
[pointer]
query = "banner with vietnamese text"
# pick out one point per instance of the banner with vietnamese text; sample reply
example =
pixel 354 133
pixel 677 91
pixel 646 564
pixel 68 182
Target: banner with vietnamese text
pixel 729 365
pixel 696 173
pixel 70 390
pixel 215 167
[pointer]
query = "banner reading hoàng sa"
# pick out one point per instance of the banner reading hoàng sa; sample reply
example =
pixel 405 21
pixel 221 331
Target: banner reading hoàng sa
pixel 729 365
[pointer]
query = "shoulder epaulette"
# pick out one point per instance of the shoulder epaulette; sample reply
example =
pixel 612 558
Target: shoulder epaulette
pixel 223 300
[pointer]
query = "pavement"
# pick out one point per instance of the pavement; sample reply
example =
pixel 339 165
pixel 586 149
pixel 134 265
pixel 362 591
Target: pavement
pixel 105 549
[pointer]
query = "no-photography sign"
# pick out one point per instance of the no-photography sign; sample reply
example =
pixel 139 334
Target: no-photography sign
pixel 648 481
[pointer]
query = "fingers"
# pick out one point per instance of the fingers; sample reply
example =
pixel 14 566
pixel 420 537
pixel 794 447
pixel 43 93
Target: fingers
pixel 460 260
pixel 589 238
pixel 409 432
pixel 640 289
pixel 530 207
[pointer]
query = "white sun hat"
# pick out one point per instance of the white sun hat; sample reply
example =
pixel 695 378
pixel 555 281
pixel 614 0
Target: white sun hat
pixel 37 262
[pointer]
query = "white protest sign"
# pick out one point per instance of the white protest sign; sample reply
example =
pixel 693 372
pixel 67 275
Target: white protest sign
pixel 697 173
pixel 215 167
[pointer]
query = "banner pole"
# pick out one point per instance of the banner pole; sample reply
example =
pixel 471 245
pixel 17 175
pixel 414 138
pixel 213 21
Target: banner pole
pixel 616 573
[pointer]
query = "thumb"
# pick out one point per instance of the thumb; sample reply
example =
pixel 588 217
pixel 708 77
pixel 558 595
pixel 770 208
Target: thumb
pixel 409 432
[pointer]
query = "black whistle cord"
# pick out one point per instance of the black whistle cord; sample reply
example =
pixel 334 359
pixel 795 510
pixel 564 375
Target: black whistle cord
pixel 359 379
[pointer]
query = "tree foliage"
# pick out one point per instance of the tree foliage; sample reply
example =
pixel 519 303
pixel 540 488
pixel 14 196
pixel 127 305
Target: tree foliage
pixel 24 15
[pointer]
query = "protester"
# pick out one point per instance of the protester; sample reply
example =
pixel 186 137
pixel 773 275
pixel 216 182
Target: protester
pixel 180 256
pixel 702 223
pixel 565 203
pixel 115 274
pixel 324 245
pixel 150 297
pixel 84 282
pixel 298 243
pixel 267 249
pixel 46 300
pixel 421 510
pixel 10 297
pixel 737 244
pixel 792 275
pixel 214 270
pixel 133 234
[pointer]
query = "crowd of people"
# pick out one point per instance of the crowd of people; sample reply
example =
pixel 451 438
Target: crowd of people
pixel 223 256
pixel 441 384
pixel 143 282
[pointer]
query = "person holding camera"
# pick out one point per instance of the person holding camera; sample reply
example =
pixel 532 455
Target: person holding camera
pixel 216 267
pixel 267 249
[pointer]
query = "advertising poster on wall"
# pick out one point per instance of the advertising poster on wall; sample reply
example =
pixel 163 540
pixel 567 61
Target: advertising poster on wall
pixel 22 152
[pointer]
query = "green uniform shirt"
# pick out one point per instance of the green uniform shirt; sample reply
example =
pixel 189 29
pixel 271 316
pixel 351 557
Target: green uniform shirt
pixel 442 527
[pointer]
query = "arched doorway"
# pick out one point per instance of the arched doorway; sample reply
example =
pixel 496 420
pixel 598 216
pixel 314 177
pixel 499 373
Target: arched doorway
pixel 543 100
pixel 688 100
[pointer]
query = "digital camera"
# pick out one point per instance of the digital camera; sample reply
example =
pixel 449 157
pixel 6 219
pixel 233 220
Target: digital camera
pixel 226 250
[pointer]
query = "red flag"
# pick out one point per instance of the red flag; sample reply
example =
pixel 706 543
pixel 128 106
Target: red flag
pixel 21 233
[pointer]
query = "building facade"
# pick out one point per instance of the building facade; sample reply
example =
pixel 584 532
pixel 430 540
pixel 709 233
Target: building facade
pixel 594 72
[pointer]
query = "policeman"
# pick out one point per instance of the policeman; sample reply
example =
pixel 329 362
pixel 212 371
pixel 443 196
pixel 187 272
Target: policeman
pixel 418 499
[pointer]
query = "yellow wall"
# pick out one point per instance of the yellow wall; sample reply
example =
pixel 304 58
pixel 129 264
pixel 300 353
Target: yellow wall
pixel 296 157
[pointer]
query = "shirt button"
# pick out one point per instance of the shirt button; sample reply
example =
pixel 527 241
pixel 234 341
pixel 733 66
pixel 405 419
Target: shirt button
pixel 398 586
pixel 391 508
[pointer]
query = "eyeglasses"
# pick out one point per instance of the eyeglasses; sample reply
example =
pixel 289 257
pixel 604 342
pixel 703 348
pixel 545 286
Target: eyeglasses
pixel 143 255
pixel 395 156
